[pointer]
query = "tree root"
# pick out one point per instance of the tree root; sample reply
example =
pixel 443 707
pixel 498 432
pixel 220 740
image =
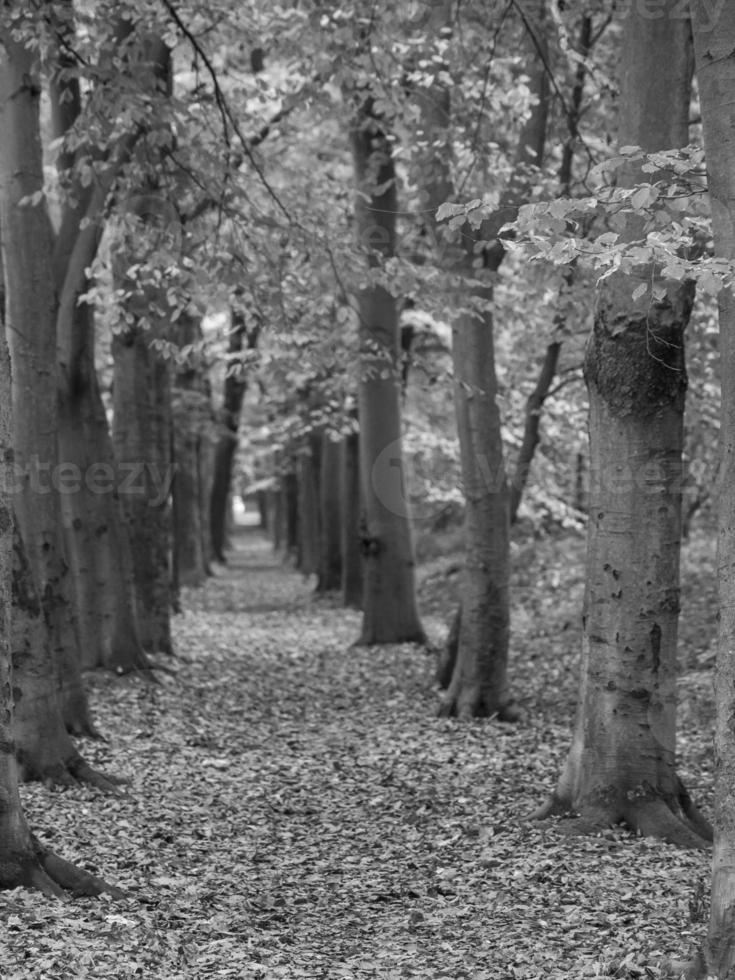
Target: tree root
pixel 649 816
pixel 692 813
pixel 72 771
pixel 129 662
pixel 82 772
pixel 53 876
pixel 470 704
pixel 654 818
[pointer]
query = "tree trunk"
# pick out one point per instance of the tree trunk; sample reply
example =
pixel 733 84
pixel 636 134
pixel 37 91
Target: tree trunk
pixel 479 684
pixel 714 40
pixel 142 380
pixel 189 559
pixel 261 499
pixel 23 862
pixel 191 409
pixel 290 495
pixel 31 320
pixel 206 446
pixel 234 393
pixel 350 518
pixel 390 614
pixel 307 468
pixel 537 398
pixel 479 680
pixel 44 750
pixel 277 517
pixel 531 427
pixel 330 554
pixel 96 536
pixel 621 764
pixel 141 432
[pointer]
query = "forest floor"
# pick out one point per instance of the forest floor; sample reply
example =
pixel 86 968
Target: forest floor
pixel 297 810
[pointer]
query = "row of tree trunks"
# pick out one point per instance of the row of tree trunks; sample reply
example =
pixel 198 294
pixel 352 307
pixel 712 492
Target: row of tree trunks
pixel 315 513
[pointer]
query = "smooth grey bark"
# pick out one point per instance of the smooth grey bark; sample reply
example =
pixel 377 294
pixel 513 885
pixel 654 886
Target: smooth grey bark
pixel 390 612
pixel 621 765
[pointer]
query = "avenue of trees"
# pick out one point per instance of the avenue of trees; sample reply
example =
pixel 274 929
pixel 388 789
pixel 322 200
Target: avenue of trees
pixel 241 244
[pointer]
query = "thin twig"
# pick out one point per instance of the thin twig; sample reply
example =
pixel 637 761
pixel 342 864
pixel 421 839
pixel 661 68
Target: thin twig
pixel 229 120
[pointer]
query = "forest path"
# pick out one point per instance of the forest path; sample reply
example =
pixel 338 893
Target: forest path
pixel 296 810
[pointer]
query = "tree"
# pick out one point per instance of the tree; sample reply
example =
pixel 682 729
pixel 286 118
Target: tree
pixel 478 684
pixel 191 416
pixel 307 475
pixel 330 540
pixel 621 763
pixel 96 540
pixel 714 40
pixel 542 388
pixel 350 509
pixel 390 614
pixel 142 428
pixel 234 393
pixel 47 662
pixel 23 860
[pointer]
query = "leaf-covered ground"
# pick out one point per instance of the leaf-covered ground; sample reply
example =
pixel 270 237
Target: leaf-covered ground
pixel 297 810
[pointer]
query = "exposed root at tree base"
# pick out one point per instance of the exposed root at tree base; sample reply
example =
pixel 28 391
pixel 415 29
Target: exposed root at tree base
pixel 653 818
pixel 148 673
pixel 649 817
pixel 53 876
pixel 129 661
pixel 82 772
pixel 73 771
pixel 469 708
pixel 86 730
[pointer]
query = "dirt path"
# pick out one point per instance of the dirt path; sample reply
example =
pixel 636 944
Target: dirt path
pixel 297 810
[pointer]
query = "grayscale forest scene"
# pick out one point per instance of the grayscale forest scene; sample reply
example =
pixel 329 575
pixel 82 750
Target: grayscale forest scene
pixel 367 490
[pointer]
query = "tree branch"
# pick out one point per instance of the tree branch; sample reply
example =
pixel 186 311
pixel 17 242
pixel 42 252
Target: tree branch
pixel 229 120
